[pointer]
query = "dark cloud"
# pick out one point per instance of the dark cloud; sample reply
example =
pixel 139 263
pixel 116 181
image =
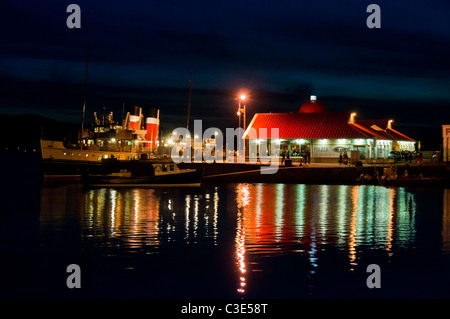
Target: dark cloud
pixel 142 52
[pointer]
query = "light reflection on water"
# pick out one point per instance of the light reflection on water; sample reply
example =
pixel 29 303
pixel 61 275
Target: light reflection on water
pixel 258 222
pixel 301 216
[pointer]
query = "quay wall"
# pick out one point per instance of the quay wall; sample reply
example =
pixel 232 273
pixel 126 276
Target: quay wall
pixel 250 173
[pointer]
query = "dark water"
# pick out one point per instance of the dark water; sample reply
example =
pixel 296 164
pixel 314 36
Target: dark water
pixel 225 241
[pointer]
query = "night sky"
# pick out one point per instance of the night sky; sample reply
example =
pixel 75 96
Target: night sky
pixel 279 52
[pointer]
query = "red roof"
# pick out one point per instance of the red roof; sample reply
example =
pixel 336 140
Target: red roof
pixel 312 107
pixel 386 133
pixel 381 123
pixel 306 125
pixel 372 132
pixel 398 136
pixel 325 125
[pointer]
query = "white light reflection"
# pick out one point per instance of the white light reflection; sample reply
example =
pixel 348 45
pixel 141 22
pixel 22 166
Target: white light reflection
pixel 370 214
pixel 342 213
pixel 90 210
pixel 186 215
pixel 113 195
pixel 259 200
pixel 242 202
pixel 390 221
pixel 323 211
pixel 300 213
pixel 216 214
pixel 353 227
pixel 279 202
pixel 196 203
pixel 312 211
pixel 406 211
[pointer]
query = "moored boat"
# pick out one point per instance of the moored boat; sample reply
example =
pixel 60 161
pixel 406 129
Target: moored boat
pixel 403 181
pixel 413 181
pixel 143 174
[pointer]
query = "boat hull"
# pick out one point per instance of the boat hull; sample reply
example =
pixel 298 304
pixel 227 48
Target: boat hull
pixel 418 182
pixel 60 160
pixel 191 178
pixel 404 182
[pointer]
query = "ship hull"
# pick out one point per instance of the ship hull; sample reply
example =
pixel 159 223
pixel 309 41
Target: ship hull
pixel 191 178
pixel 59 160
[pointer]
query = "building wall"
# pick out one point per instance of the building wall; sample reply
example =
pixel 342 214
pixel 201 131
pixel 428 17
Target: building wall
pixel 328 150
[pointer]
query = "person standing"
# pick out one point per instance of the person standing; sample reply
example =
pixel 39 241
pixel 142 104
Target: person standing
pixel 340 158
pixel 345 158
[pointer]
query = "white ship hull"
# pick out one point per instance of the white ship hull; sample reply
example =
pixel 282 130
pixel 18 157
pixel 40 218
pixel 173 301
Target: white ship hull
pixel 55 151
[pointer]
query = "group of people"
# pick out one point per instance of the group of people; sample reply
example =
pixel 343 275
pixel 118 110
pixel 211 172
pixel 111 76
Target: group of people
pixel 306 157
pixel 343 158
pixel 406 156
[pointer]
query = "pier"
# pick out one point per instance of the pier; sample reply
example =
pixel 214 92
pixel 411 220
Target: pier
pixel 314 173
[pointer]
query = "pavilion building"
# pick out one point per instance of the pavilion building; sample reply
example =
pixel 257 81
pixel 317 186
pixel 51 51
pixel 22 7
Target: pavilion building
pixel 325 134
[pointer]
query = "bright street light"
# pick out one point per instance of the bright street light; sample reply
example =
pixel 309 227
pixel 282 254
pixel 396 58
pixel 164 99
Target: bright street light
pixel 242 111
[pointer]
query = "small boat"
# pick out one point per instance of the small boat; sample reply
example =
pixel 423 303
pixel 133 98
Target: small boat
pixel 366 179
pixel 144 174
pixel 413 181
pixel 393 180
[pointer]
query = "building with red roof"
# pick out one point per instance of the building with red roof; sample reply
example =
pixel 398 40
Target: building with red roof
pixel 325 135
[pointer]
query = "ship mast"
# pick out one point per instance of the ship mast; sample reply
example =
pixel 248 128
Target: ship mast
pixel 84 91
pixel 189 101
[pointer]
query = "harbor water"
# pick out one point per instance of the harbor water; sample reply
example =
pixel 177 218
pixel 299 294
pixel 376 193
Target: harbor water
pixel 225 241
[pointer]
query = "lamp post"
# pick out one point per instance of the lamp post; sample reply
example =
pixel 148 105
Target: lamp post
pixel 239 112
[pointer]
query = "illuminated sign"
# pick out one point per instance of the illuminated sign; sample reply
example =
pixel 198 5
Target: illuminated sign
pixel 330 150
pixel 341 149
pixel 446 131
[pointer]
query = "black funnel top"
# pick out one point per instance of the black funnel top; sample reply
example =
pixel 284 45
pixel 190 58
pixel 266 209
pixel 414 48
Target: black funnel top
pixel 152 112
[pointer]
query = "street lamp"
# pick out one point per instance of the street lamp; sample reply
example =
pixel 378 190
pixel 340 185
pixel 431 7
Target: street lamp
pixel 241 109
pixel 390 124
